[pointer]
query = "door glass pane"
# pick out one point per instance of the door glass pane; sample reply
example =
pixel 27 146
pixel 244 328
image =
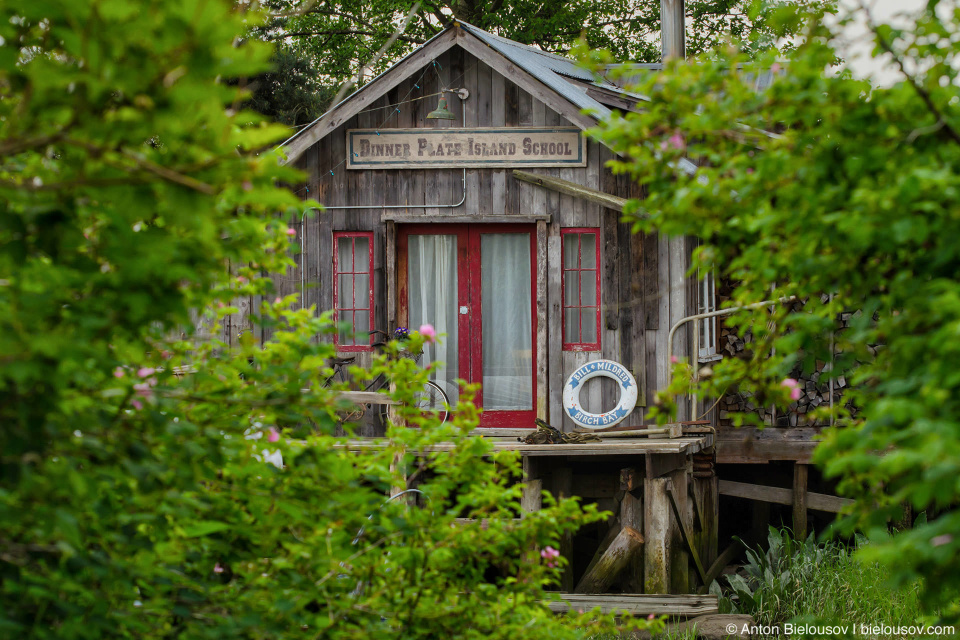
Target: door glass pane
pixel 571 250
pixel 432 300
pixel 571 298
pixel 588 288
pixel 361 291
pixel 588 324
pixel 507 324
pixel 345 253
pixel 345 330
pixel 588 251
pixel 571 325
pixel 361 255
pixel 345 292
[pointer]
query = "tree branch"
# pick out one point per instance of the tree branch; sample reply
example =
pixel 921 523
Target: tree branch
pixel 920 91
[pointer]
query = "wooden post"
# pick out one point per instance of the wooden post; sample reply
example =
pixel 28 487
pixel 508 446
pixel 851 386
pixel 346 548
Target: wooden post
pixel 800 473
pixel 391 268
pixel 680 560
pixel 563 488
pixel 543 389
pixel 631 515
pixel 532 499
pixel 613 561
pixel 608 539
pixel 687 535
pixel 705 493
pixel 672 29
pixel 657 549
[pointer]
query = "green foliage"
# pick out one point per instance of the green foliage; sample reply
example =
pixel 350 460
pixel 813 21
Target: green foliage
pixel 818 584
pixel 340 37
pixel 845 196
pixel 142 491
pixel 291 91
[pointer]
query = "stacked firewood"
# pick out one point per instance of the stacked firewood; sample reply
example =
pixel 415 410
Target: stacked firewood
pixel 815 387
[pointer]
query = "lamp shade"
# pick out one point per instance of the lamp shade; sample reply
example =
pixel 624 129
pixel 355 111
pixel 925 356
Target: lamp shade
pixel 441 112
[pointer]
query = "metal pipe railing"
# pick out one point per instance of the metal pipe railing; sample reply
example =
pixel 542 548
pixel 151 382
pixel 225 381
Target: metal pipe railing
pixel 705 316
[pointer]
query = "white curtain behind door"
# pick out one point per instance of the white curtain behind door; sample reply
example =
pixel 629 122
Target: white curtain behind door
pixel 433 300
pixel 507 323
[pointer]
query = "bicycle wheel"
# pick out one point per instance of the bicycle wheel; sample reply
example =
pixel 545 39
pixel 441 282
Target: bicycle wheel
pixel 432 399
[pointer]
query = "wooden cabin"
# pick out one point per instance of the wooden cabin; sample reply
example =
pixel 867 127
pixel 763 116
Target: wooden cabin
pixel 425 221
pixel 460 190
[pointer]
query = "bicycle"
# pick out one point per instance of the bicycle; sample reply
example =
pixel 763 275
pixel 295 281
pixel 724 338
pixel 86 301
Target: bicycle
pixel 430 399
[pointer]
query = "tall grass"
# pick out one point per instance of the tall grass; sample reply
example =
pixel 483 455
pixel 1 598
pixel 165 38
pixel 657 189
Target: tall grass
pixel 803 580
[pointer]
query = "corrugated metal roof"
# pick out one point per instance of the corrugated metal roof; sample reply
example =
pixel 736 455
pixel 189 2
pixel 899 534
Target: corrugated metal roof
pixel 549 68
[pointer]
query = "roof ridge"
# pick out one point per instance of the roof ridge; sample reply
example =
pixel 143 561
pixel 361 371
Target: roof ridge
pixel 529 47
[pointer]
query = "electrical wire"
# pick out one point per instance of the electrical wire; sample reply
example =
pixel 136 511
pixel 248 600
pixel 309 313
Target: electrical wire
pixel 395 107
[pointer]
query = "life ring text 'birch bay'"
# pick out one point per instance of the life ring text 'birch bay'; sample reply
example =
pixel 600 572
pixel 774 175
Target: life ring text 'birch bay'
pixel 597 368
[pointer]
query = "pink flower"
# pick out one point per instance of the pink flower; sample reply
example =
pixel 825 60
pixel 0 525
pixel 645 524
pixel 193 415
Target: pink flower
pixel 118 372
pixel 549 553
pixel 775 67
pixel 278 300
pixel 674 359
pixel 291 231
pixel 749 169
pixel 428 332
pixel 241 279
pixel 217 568
pixel 651 617
pixel 143 389
pixel 274 435
pixel 136 404
pixel 247 185
pixel 143 372
pixel 676 141
pixel 794 387
pixel 941 540
pixel 165 354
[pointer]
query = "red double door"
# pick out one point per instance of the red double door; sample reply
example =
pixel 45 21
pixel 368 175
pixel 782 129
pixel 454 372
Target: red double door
pixel 475 284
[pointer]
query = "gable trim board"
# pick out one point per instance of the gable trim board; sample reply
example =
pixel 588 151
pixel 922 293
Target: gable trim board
pixel 512 60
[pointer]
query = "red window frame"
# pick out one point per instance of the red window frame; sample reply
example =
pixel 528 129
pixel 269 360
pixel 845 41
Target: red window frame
pixel 579 345
pixel 338 270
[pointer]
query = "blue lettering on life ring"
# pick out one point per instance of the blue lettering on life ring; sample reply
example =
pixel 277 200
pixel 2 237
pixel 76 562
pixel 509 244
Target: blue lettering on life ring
pixel 607 369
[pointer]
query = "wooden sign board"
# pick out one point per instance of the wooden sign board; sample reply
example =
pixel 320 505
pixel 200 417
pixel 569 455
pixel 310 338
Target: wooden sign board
pixel 466 148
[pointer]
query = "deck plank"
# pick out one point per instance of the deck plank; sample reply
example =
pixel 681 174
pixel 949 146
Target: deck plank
pixel 622 446
pixel 639 604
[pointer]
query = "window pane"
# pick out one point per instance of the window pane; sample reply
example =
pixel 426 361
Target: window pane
pixel 361 260
pixel 344 254
pixel 571 326
pixel 345 292
pixel 361 288
pixel 570 298
pixel 588 251
pixel 588 324
pixel 588 288
pixel 570 248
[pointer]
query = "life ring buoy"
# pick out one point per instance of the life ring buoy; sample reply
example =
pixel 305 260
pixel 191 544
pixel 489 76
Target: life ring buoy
pixel 608 369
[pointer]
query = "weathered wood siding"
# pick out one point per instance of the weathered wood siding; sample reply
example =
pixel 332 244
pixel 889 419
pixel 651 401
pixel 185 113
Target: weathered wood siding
pixel 644 288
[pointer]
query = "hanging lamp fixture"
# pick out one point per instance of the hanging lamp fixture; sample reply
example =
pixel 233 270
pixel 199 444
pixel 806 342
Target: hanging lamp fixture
pixel 441 112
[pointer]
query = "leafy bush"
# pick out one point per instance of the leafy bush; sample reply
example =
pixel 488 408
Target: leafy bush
pixel 797 580
pixel 843 196
pixel 137 493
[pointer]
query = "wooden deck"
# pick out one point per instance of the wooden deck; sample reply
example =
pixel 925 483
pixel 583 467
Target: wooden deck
pixel 613 447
